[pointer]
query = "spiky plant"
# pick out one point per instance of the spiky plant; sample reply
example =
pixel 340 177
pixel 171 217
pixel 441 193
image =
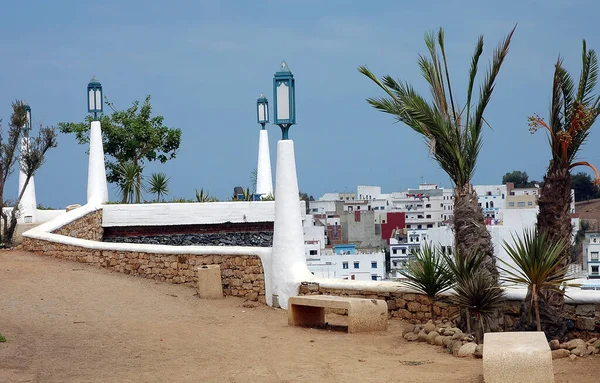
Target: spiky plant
pixel 158 184
pixel 538 265
pixel 452 132
pixel 204 196
pixel 428 274
pixel 130 182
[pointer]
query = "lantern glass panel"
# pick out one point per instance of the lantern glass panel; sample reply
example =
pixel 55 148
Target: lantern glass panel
pixel 283 101
pixel 91 100
pixel 98 105
pixel 261 113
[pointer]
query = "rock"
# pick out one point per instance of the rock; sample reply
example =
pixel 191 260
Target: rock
pixel 439 340
pixel 560 353
pixel 564 346
pixel 455 347
pixel 408 328
pixel 411 336
pixel 72 207
pixel 478 351
pixel 449 331
pixel 590 350
pixel 422 337
pixel 457 336
pixel 574 343
pixel 592 341
pixel 447 341
pixel 584 323
pixel 429 327
pixel 467 350
pixel 572 357
pixel 431 337
pixel 585 310
pixel 554 344
pixel 579 351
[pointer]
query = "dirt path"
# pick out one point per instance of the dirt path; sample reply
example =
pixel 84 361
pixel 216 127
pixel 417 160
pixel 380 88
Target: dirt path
pixel 67 322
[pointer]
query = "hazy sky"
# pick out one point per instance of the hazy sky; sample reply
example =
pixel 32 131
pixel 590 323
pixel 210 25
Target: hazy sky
pixel 206 62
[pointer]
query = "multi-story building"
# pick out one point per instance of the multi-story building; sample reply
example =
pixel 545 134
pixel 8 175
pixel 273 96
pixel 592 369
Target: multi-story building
pixel 591 251
pixel 347 263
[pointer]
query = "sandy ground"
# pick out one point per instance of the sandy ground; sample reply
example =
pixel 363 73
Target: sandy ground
pixel 67 322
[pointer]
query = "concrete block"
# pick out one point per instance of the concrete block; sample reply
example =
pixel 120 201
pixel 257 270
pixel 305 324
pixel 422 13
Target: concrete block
pixel 209 282
pixel 523 357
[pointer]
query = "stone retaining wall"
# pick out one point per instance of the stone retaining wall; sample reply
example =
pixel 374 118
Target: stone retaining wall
pixel 241 275
pixel 87 227
pixel 583 317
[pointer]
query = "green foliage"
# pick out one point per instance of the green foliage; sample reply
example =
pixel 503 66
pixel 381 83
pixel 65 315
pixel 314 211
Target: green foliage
pixel 42 207
pixel 247 196
pixel 2 338
pixel 158 184
pixel 519 179
pixel 203 196
pixel 131 135
pixel 428 273
pixel 130 183
pixel 538 265
pixel 452 133
pixel 584 187
pixel 268 197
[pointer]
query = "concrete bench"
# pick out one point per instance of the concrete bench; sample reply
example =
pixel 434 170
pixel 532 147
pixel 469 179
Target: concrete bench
pixel 363 314
pixel 522 357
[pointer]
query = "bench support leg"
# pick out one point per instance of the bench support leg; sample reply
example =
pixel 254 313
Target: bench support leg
pixel 306 316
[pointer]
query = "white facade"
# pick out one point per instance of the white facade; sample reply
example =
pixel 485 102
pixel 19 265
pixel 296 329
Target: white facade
pixel 314 236
pixel 591 251
pixel 367 192
pixel 360 267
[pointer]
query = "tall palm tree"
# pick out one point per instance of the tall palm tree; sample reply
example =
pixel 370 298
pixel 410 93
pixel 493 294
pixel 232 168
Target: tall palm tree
pixel 452 133
pixel 158 184
pixel 130 185
pixel 572 114
pixel 538 266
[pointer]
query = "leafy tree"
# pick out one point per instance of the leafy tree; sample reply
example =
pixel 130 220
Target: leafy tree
pixel 130 182
pixel 573 110
pixel 518 178
pixel 584 187
pixel 33 156
pixel 452 132
pixel 307 200
pixel 539 266
pixel 428 273
pixel 158 184
pixel 131 135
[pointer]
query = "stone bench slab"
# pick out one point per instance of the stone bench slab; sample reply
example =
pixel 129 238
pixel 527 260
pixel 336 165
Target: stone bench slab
pixel 363 314
pixel 523 357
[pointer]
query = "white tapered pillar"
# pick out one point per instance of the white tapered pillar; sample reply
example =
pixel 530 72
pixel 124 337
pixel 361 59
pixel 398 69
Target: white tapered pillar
pixel 264 178
pixel 97 188
pixel 288 260
pixel 28 204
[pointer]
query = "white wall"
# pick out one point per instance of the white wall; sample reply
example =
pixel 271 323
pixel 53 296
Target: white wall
pixel 332 266
pixel 159 214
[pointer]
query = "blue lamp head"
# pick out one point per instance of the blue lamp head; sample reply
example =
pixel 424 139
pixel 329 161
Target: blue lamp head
pixel 284 94
pixel 28 123
pixel 262 110
pixel 94 96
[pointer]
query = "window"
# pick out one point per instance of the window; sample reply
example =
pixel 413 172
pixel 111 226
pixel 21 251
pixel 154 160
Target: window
pixel 521 204
pixel 403 251
pixel 383 221
pixel 313 252
pixel 428 216
pixel 492 203
pixel 373 265
pixel 394 251
pixel 502 195
pixel 595 269
pixel 419 216
pixel 345 265
pixel 419 226
pixel 529 203
pixel 489 193
pixel 408 226
pixel 594 255
pixel 511 204
pixel 358 208
pixel 356 264
pixel 479 204
pixel 428 205
pixel 373 277
pixel 429 226
pixel 395 263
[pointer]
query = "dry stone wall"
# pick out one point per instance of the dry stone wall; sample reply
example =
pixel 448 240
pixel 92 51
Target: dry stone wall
pixel 87 227
pixel 580 317
pixel 241 275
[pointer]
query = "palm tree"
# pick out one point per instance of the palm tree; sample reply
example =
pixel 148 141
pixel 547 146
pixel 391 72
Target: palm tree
pixel 452 133
pixel 539 266
pixel 428 274
pixel 572 114
pixel 130 184
pixel 158 184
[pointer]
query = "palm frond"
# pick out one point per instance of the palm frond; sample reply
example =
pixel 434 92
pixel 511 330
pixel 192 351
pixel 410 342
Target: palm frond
pixel 427 273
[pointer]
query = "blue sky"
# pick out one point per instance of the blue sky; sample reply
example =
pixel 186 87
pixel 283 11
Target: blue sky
pixel 206 62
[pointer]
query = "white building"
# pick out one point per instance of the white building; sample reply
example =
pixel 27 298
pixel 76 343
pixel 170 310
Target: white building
pixel 591 251
pixel 361 267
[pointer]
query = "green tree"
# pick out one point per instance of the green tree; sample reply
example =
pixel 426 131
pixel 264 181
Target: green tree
pixel 452 132
pixel 130 182
pixel 33 156
pixel 131 135
pixel 428 274
pixel 584 187
pixel 158 184
pixel 518 178
pixel 573 110
pixel 539 266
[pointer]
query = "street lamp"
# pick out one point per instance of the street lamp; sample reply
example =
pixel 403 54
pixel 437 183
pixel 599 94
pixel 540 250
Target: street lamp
pixel 284 93
pixel 28 123
pixel 94 90
pixel 262 110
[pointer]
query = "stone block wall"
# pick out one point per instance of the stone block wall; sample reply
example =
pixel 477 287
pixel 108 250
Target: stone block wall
pixel 582 317
pixel 87 227
pixel 241 275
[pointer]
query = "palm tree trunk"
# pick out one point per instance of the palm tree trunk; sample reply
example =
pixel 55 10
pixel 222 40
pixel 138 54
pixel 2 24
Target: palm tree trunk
pixel 537 309
pixel 468 320
pixel 470 232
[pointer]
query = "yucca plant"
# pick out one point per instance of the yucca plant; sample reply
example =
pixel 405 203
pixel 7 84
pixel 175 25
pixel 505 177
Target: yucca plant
pixel 428 274
pixel 452 132
pixel 158 184
pixel 130 185
pixel 538 266
pixel 204 196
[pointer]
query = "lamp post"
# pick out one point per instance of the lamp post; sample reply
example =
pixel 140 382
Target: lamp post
pixel 284 93
pixel 28 205
pixel 264 178
pixel 97 188
pixel 28 123
pixel 94 90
